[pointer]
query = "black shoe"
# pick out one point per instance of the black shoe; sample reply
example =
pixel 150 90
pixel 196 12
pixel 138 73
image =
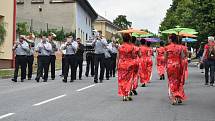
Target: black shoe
pixel 38 80
pixel 22 80
pixel 135 92
pixel 101 81
pixel 29 78
pixel 86 75
pixel 130 99
pixel 14 80
pixel 143 85
pixel 53 78
pixel 161 77
pixel 95 81
pixel 130 94
pixel 211 85
pixel 64 80
pixel 107 79
pixel 124 98
pixel 71 80
pixel 45 80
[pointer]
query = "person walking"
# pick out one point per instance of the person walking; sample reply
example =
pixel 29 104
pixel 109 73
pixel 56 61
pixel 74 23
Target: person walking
pixel 63 52
pixel 30 54
pixel 52 55
pixel 90 61
pixel 21 49
pixel 208 59
pixel 44 49
pixel 70 58
pixel 99 45
pixel 114 50
pixel 161 65
pixel 107 62
pixel 79 56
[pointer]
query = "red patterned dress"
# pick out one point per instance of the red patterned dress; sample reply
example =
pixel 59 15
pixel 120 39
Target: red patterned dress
pixel 125 69
pixel 136 68
pixel 161 65
pixel 146 64
pixel 174 71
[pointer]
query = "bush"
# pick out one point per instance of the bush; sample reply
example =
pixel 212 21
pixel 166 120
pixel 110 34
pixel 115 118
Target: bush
pixel 2 33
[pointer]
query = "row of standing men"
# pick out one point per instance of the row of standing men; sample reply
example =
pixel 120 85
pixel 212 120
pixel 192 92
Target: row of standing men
pixel 101 53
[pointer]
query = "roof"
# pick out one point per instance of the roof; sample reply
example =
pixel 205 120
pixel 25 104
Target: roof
pixel 102 19
pixel 88 8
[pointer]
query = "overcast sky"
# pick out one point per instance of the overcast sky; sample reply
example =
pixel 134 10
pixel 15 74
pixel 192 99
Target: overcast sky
pixel 144 14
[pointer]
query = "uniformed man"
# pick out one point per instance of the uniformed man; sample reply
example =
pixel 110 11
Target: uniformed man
pixel 99 45
pixel 44 49
pixel 114 50
pixel 79 56
pixel 52 56
pixel 90 59
pixel 70 58
pixel 63 52
pixel 21 49
pixel 107 62
pixel 30 55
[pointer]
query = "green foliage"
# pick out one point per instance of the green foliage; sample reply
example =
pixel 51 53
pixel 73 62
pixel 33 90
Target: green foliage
pixel 22 28
pixel 122 22
pixel 196 14
pixel 2 33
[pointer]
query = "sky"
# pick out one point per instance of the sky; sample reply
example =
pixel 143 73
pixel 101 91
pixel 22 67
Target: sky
pixel 144 14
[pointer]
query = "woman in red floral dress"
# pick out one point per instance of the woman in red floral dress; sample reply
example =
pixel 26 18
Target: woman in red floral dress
pixel 161 61
pixel 125 68
pixel 174 56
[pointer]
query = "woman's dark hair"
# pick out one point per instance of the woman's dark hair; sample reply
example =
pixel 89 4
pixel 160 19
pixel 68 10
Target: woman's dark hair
pixel 133 39
pixel 161 43
pixel 143 41
pixel 148 43
pixel 126 37
pixel 173 38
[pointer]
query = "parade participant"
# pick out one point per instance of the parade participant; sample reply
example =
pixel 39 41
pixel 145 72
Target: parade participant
pixel 145 63
pixel 161 61
pixel 30 55
pixel 21 49
pixel 44 49
pixel 99 45
pixel 90 60
pixel 125 67
pixel 184 63
pixel 173 56
pixel 114 50
pixel 52 56
pixel 70 58
pixel 79 57
pixel 107 62
pixel 136 54
pixel 208 59
pixel 63 52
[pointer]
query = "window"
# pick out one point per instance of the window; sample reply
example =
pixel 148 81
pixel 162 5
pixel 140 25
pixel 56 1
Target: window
pixel 86 36
pixel 37 1
pixel 62 1
pixel 20 1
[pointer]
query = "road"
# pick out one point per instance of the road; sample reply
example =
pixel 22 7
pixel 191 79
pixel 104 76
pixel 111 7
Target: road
pixel 83 100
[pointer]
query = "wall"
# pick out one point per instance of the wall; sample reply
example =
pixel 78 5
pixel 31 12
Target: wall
pixel 82 26
pixel 56 14
pixel 6 10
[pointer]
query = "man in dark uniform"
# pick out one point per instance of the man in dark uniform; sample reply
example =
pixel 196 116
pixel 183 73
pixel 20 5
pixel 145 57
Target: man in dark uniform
pixel 44 49
pixel 63 58
pixel 79 56
pixel 114 50
pixel 30 55
pixel 70 58
pixel 52 56
pixel 90 60
pixel 21 49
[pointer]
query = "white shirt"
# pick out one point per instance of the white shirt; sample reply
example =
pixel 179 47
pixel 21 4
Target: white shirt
pixel 44 48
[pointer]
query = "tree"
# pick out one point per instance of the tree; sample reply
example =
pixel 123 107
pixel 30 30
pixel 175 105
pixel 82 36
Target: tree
pixel 22 28
pixel 2 32
pixel 122 22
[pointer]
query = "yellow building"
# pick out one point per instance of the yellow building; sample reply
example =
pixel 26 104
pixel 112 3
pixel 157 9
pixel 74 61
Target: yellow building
pixel 106 27
pixel 8 16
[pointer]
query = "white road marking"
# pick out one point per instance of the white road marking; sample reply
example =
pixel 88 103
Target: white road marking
pixel 6 115
pixel 46 101
pixel 85 88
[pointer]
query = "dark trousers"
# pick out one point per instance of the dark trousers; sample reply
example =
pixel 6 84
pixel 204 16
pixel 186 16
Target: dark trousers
pixel 90 65
pixel 52 63
pixel 113 65
pixel 63 64
pixel 107 62
pixel 79 65
pixel 20 61
pixel 30 62
pixel 209 65
pixel 99 60
pixel 70 62
pixel 43 65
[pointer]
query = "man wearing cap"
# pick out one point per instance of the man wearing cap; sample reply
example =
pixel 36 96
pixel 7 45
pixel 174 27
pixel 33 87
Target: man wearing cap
pixel 89 58
pixel 99 45
pixel 79 56
pixel 21 49
pixel 63 52
pixel 209 60
pixel 52 56
pixel 44 49
pixel 70 58
pixel 30 55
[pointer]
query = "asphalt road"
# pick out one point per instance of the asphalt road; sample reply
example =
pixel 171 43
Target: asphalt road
pixel 83 100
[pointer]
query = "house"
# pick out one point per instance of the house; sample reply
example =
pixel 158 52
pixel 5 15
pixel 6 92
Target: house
pixel 106 27
pixel 8 17
pixel 71 15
